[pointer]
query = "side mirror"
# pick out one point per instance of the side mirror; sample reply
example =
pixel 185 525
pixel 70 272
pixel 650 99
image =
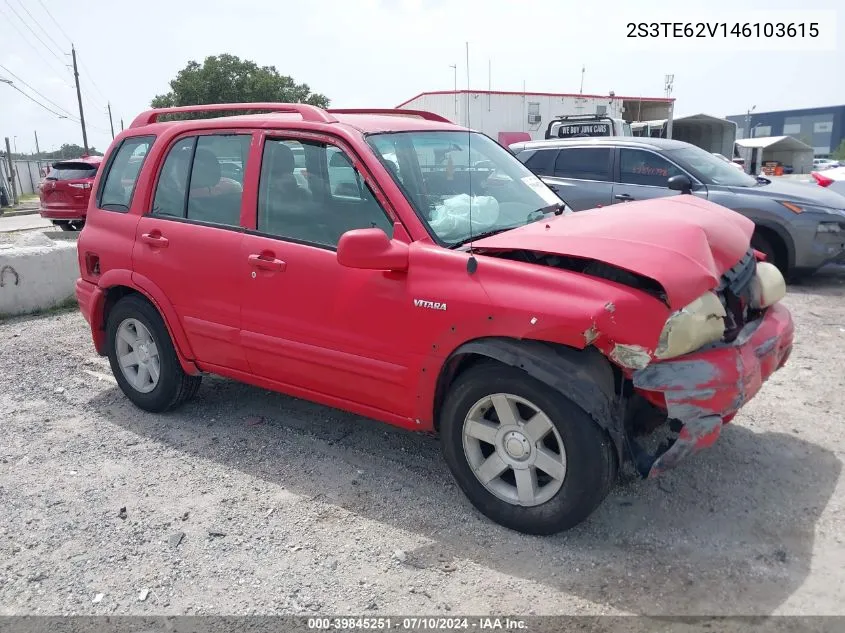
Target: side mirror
pixel 371 249
pixel 680 183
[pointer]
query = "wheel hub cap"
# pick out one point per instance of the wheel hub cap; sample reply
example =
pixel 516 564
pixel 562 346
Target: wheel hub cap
pixel 514 449
pixel 517 445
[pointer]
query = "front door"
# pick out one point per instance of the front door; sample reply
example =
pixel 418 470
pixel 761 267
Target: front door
pixel 189 243
pixel 307 321
pixel 643 175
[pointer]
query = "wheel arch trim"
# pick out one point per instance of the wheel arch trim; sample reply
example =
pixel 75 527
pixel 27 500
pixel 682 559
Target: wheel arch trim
pixel 585 377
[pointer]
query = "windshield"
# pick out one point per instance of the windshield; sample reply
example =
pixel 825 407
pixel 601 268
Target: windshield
pixel 710 169
pixel 450 177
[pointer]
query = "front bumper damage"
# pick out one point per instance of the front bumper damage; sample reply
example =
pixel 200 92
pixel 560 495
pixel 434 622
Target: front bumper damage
pixel 703 390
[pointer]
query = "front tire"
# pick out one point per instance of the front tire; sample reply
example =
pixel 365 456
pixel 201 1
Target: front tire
pixel 143 359
pixel 525 456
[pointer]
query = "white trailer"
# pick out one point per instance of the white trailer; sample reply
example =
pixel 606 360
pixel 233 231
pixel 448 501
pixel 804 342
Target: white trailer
pixel 527 114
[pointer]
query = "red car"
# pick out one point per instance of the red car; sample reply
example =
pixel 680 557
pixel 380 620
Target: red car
pixel 408 284
pixel 65 191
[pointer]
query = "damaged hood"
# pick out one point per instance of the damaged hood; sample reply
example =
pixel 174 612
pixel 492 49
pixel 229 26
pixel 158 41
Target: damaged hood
pixel 682 242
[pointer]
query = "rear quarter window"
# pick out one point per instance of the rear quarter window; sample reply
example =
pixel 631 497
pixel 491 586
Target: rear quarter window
pixel 121 173
pixel 72 171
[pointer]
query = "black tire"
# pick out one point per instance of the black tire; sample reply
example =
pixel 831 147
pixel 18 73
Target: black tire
pixel 64 225
pixel 591 458
pixel 174 386
pixel 765 245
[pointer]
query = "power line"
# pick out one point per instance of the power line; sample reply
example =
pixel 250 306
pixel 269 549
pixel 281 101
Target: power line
pixel 8 4
pixel 91 79
pixel 35 48
pixel 47 99
pixel 61 116
pixel 38 24
pixel 50 15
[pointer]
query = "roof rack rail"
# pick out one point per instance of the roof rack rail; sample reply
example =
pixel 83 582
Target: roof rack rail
pixel 585 117
pixel 420 114
pixel 308 112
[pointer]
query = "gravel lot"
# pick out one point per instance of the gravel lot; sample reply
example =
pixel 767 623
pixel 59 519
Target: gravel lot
pixel 245 501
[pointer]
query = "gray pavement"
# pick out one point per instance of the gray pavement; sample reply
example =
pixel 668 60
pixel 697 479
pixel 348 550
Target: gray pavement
pixel 22 222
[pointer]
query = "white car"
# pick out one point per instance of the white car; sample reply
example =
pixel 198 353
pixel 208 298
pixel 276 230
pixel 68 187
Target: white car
pixel 832 179
pixel 825 163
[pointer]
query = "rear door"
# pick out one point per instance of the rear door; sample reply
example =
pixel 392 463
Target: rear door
pixel 188 242
pixel 581 176
pixel 643 174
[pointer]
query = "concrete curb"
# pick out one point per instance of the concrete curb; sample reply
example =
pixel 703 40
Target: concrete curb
pixel 10 214
pixel 37 275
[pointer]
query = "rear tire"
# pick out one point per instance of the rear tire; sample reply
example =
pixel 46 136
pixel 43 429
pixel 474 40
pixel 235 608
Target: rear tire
pixel 64 225
pixel 143 359
pixel 572 459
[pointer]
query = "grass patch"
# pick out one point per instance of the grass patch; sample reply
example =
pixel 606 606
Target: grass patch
pixel 69 305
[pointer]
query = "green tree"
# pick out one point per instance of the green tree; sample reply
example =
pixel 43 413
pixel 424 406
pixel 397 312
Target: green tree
pixel 839 152
pixel 229 79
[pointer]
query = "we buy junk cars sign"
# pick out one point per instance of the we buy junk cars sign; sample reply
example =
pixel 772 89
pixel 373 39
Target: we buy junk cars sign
pixel 588 129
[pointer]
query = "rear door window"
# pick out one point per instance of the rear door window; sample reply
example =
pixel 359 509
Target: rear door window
pixel 214 196
pixel 172 188
pixel 117 188
pixel 72 170
pixel 583 163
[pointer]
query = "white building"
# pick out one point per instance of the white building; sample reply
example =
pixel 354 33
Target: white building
pixel 496 112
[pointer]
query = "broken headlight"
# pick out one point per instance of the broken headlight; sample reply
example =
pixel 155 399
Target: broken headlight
pixel 697 324
pixel 768 286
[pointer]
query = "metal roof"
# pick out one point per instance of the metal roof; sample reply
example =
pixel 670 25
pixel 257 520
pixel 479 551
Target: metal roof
pixel 535 94
pixel 765 142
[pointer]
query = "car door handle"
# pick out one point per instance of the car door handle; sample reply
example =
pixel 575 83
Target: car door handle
pixel 266 263
pixel 623 196
pixel 155 239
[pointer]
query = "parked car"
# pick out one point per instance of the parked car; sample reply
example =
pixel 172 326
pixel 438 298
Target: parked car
pixel 833 179
pixel 820 164
pixel 539 343
pixel 799 228
pixel 65 191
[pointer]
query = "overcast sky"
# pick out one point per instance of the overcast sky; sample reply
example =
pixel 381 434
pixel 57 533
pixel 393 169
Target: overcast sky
pixel 381 52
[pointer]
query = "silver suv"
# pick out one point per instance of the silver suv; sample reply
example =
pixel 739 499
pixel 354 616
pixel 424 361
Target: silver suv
pixel 800 227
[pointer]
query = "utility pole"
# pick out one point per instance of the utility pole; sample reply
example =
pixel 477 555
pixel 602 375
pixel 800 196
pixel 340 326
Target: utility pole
pixel 110 122
pixel 669 81
pixel 11 173
pixel 454 67
pixel 37 154
pixel 121 125
pixel 79 99
pixel 583 70
pixel 748 121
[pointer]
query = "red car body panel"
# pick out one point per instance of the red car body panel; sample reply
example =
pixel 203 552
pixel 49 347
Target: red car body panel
pixel 67 199
pixel 706 240
pixel 353 339
pixel 706 389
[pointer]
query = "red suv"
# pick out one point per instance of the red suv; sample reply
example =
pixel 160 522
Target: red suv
pixel 66 189
pixel 427 279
